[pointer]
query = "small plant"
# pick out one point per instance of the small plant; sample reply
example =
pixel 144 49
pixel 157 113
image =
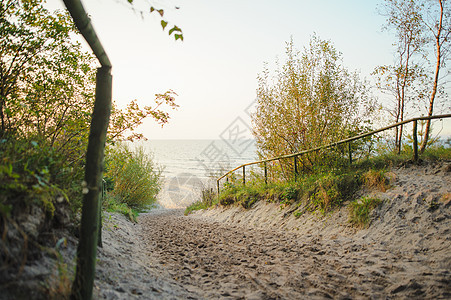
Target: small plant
pixel 376 179
pixel 209 199
pixel 331 190
pixel 360 210
pixel 113 203
pixel 59 284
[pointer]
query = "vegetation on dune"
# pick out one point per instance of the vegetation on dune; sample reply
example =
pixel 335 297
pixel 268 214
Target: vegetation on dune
pixel 323 190
pixel 132 180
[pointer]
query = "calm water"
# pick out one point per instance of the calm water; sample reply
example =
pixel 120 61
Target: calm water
pixel 190 165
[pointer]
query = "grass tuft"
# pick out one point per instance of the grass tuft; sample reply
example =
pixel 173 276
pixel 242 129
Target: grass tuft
pixel 360 210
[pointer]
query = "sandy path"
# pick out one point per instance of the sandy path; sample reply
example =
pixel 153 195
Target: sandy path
pixel 214 260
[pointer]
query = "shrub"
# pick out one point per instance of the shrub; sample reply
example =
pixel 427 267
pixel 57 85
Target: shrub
pixel 332 190
pixel 376 179
pixel 360 210
pixel 135 178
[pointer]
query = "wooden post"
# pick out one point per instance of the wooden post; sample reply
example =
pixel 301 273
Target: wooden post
pixel 217 183
pixel 295 168
pixel 350 153
pixel 244 175
pixel 415 141
pixel 89 229
pixel 266 174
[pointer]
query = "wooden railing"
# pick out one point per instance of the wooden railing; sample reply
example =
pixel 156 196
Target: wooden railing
pixel 348 140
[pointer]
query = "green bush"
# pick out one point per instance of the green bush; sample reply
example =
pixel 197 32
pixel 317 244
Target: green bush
pixel 331 190
pixel 33 171
pixel 135 178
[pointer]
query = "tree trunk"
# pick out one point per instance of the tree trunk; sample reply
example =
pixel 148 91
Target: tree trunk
pixel 87 246
pixel 436 77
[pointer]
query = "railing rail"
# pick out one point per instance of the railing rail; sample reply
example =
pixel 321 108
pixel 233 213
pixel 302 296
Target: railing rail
pixel 348 140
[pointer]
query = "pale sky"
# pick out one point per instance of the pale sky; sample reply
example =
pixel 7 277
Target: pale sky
pixel 214 70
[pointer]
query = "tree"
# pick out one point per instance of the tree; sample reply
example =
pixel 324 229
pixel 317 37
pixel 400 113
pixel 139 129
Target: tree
pixel 402 78
pixel 37 61
pixel 437 19
pixel 312 100
pixel 420 26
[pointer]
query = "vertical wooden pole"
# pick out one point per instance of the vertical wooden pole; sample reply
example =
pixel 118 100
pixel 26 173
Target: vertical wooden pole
pixel 415 141
pixel 89 227
pixel 244 175
pixel 295 168
pixel 217 184
pixel 266 174
pixel 350 153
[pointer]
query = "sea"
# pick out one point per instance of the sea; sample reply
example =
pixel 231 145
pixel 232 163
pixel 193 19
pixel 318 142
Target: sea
pixel 190 166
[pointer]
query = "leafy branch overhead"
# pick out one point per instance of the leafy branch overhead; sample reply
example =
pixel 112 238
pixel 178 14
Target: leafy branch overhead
pixel 178 34
pixel 125 121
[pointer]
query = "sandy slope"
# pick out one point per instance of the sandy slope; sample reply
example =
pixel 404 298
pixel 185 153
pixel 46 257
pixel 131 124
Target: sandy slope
pixel 264 253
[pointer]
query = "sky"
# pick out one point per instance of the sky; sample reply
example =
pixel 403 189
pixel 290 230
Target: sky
pixel 226 43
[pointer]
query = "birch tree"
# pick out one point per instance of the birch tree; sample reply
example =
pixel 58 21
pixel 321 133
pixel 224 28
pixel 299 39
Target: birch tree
pixel 403 77
pixel 437 20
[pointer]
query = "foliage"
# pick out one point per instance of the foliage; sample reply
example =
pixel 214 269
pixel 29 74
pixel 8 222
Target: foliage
pixel 360 210
pixel 178 34
pixel 333 189
pixel 32 172
pixel 113 203
pixel 376 179
pixel 405 80
pixel 47 82
pixel 323 191
pixel 312 100
pixel 46 100
pixel 123 121
pixel 422 29
pixel 135 176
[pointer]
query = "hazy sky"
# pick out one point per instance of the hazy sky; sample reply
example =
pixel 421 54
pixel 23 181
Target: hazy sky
pixel 214 69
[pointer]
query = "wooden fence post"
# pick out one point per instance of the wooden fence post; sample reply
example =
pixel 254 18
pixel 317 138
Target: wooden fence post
pixel 217 183
pixel 89 229
pixel 244 175
pixel 350 153
pixel 295 168
pixel 266 174
pixel 415 141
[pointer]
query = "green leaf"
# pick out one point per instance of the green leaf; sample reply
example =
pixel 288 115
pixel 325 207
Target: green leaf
pixel 175 28
pixel 178 36
pixel 164 24
pixel 160 11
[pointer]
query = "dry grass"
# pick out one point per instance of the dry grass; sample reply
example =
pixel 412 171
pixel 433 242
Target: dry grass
pixel 376 179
